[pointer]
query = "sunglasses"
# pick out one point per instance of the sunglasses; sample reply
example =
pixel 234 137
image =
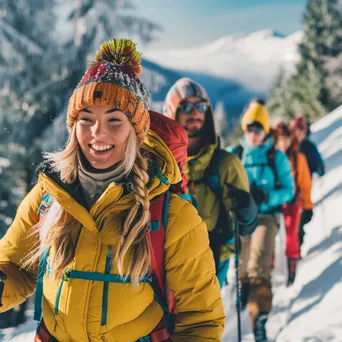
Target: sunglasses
pixel 188 107
pixel 255 130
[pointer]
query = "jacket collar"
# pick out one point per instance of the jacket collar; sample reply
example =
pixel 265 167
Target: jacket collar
pixel 163 171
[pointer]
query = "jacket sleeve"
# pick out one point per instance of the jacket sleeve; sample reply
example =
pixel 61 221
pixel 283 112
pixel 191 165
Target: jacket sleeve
pixel 14 247
pixel 304 181
pixel 318 162
pixel 233 172
pixel 190 275
pixel 284 191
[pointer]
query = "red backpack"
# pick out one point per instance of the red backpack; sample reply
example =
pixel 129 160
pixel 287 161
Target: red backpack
pixel 176 139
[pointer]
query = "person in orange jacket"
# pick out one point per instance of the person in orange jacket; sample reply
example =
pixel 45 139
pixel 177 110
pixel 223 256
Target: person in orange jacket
pixel 302 199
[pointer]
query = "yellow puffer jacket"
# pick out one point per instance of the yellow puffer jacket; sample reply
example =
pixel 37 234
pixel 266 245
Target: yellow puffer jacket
pixel 132 312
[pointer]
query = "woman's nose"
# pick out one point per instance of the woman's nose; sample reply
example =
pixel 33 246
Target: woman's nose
pixel 97 129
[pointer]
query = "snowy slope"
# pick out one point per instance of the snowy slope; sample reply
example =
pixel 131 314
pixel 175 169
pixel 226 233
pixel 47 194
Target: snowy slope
pixel 254 59
pixel 311 310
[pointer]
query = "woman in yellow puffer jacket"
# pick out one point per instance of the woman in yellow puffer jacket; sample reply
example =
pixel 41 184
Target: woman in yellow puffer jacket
pixel 95 196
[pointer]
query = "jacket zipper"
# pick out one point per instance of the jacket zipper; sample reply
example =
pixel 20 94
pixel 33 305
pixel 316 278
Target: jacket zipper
pixel 106 286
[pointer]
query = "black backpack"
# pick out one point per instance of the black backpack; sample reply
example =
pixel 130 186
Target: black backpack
pixel 220 235
pixel 211 178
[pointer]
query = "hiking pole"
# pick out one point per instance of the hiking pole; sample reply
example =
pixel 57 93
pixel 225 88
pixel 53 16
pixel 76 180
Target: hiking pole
pixel 237 261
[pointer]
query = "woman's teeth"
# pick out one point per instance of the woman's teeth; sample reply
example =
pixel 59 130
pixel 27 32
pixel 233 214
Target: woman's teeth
pixel 101 148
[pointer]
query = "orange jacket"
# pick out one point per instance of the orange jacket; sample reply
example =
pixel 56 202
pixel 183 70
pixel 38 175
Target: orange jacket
pixel 302 177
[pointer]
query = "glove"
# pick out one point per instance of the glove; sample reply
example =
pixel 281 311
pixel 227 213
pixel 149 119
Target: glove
pixel 239 198
pixel 258 195
pixel 306 216
pixel 243 208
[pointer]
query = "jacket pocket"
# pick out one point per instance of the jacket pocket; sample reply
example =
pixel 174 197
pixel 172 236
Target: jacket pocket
pixel 106 286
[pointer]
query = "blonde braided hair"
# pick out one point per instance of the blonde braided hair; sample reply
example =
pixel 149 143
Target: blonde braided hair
pixel 134 228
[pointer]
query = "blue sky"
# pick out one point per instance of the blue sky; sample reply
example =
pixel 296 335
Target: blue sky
pixel 189 23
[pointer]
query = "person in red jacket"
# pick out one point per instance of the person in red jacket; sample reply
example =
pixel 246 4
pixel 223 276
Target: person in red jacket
pixel 301 202
pixel 300 130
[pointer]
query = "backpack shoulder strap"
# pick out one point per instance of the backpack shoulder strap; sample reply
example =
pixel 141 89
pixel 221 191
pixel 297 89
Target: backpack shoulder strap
pixel 238 151
pixel 159 215
pixel 295 169
pixel 271 154
pixel 211 175
pixel 42 209
pixel 38 299
pixel 158 212
pixel 295 166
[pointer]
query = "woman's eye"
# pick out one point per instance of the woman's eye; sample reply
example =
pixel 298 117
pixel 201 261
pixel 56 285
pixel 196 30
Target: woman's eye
pixel 86 119
pixel 114 120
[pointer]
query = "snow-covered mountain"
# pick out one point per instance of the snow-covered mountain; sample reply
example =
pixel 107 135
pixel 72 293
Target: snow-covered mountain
pixel 159 79
pixel 254 60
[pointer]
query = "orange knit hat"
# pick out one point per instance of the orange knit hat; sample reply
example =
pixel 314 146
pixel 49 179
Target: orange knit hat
pixel 112 81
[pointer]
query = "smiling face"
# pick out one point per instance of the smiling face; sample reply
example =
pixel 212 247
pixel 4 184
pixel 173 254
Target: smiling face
pixel 102 133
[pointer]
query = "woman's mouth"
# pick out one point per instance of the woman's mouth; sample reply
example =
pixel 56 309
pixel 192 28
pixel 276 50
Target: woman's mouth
pixel 100 149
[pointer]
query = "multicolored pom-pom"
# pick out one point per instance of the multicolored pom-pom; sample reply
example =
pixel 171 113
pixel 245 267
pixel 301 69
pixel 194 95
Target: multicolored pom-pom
pixel 122 52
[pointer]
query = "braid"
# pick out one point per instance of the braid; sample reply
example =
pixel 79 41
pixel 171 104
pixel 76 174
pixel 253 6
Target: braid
pixel 135 227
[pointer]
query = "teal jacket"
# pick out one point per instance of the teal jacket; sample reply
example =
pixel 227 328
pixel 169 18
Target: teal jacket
pixel 280 186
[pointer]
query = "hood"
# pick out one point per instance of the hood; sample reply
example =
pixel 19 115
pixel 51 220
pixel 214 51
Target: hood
pixel 182 89
pixel 176 138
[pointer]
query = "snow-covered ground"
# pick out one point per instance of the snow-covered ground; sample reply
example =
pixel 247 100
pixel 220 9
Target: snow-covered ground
pixel 310 310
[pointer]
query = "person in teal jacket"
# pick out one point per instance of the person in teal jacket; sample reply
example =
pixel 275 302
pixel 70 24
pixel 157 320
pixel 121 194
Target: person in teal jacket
pixel 266 181
pixel 271 185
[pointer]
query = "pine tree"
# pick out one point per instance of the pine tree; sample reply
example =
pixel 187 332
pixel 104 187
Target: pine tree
pixel 92 22
pixel 26 71
pixel 297 94
pixel 333 80
pixel 322 38
pixel 309 90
